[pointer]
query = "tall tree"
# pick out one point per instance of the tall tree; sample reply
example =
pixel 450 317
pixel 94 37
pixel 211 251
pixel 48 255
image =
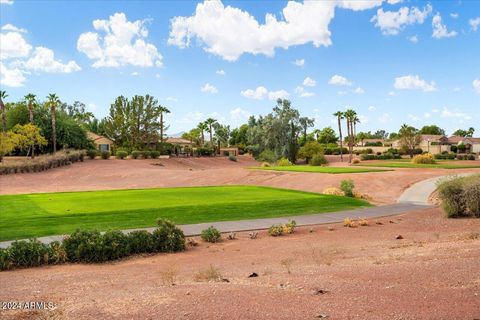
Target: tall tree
pixel 351 117
pixel 327 135
pixel 53 101
pixel 3 95
pixel 340 115
pixel 432 129
pixel 30 100
pixel 163 110
pixel 202 126
pixel 409 138
pixel 209 122
pixel 306 123
pixel 464 133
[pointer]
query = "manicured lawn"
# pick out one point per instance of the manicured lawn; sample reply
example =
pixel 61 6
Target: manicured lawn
pixel 400 164
pixel 42 214
pixel 318 169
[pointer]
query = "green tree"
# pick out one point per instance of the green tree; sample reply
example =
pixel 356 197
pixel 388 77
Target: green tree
pixel 464 133
pixel 163 127
pixel 309 149
pixel 409 138
pixel 29 136
pixel 432 129
pixel 327 135
pixel 210 122
pixel 239 136
pixel 202 126
pixel 3 112
pixel 53 101
pixel 351 117
pixel 8 143
pixel 306 123
pixel 222 134
pixel 340 115
pixel 362 136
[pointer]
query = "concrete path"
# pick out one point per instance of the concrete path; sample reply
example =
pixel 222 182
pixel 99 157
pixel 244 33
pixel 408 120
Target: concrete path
pixel 413 199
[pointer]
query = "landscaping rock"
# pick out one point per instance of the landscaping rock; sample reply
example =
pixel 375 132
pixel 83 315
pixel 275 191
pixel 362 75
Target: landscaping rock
pixel 399 237
pixel 253 275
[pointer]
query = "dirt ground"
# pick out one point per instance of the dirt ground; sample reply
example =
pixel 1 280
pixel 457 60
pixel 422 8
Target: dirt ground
pixel 384 187
pixel 321 271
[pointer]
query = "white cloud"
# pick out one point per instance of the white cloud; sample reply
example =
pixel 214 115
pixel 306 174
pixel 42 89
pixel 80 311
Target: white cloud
pixel 413 39
pixel 123 43
pixel 239 114
pixel 302 93
pixel 413 117
pixel 209 88
pixel 372 108
pixel 359 91
pixel 454 114
pixel 9 2
pixel 384 118
pixel 392 93
pixel 476 85
pixel 413 82
pixel 342 93
pixel 339 81
pixel 191 117
pixel 392 22
pixel 11 77
pixel 440 30
pixel 299 63
pixel 280 94
pixel 309 82
pixel 157 75
pixel 394 1
pixel 43 59
pixel 229 32
pixel 171 99
pixel 454 15
pixel 427 115
pixel 474 23
pixel 258 94
pixel 11 27
pixel 13 45
pixel 220 72
pixel 134 74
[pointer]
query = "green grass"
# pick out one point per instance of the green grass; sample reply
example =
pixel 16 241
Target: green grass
pixel 318 169
pixel 35 215
pixel 400 164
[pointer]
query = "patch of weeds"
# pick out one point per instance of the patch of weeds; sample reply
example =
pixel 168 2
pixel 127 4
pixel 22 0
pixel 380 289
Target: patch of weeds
pixel 169 276
pixel 210 274
pixel 275 230
pixel 287 264
pixel 347 222
pixel 363 222
pixel 253 235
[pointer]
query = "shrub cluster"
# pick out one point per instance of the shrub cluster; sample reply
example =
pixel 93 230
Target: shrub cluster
pixel 93 246
pixel 92 153
pixel 211 234
pixel 284 162
pixel 426 158
pixel 469 156
pixel 318 160
pixel 347 187
pixel 279 229
pixel 334 151
pixel 445 156
pixel 461 196
pixel 232 158
pixel 384 156
pixel 267 156
pixel 121 154
pixel 42 163
pixel 205 151
pixel 105 155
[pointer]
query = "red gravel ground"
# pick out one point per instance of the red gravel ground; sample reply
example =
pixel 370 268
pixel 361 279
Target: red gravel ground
pixel 366 273
pixel 384 187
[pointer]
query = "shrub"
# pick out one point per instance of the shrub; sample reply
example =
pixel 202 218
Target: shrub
pixel 267 156
pixel 5 260
pixel 472 196
pixel 92 153
pixel 141 241
pixel 155 154
pixel 275 230
pixel 333 191
pixel 28 253
pixel 168 237
pixel 265 164
pixel 56 253
pixel 460 196
pixel 363 222
pixel 211 234
pixel 105 155
pixel 426 158
pixel 136 154
pixel 284 162
pixel 453 148
pixel 356 161
pixel 347 222
pixel 115 245
pixel 471 157
pixel 146 154
pixel 289 227
pixel 121 154
pixel 204 151
pixel 84 246
pixel 347 187
pixel 210 274
pixel 318 160
pixel 232 158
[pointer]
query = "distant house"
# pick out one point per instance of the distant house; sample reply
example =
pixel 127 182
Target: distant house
pixel 101 143
pixel 178 141
pixel 432 143
pixel 472 145
pixel 371 142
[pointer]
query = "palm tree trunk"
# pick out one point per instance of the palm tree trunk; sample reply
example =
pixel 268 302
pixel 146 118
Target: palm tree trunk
pixel 54 129
pixel 30 113
pixel 161 128
pixel 341 140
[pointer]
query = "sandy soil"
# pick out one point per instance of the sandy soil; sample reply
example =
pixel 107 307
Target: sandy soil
pixel 384 187
pixel 364 272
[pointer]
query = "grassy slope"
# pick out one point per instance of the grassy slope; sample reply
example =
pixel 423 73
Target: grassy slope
pixel 318 169
pixel 399 164
pixel 44 214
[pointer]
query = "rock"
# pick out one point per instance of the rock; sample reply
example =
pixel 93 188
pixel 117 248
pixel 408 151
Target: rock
pixel 319 291
pixel 399 237
pixel 322 316
pixel 225 280
pixel 379 223
pixel 391 221
pixel 253 275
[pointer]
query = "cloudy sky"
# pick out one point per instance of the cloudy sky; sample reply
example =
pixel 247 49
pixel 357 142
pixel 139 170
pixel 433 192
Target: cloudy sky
pixel 393 61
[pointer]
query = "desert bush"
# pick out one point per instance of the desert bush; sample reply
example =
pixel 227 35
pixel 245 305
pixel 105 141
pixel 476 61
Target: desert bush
pixel 275 230
pixel 471 194
pixel 318 160
pixel 105 155
pixel 28 253
pixel 155 154
pixel 204 151
pixel 136 154
pixel 168 237
pixel 471 157
pixel 289 227
pixel 347 187
pixel 333 191
pixel 5 260
pixel 115 245
pixel 211 234
pixel 232 158
pixel 141 241
pixel 265 164
pixel 209 274
pixel 84 246
pixel 460 196
pixel 56 253
pixel 267 156
pixel 356 161
pixel 121 154
pixel 92 153
pixel 426 158
pixel 284 162
pixel 363 222
pixel 347 222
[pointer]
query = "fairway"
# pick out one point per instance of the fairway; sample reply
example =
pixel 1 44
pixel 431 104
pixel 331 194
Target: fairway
pixel 400 164
pixel 319 169
pixel 35 215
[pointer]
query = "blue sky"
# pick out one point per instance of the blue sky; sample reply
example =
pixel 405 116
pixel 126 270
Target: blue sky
pixel 393 61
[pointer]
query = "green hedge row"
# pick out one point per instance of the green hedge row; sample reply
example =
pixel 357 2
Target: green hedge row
pixel 93 246
pixel 385 156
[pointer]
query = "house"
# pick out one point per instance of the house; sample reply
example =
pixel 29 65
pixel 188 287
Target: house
pixel 178 142
pixel 431 143
pixel 101 143
pixel 472 145
pixel 371 142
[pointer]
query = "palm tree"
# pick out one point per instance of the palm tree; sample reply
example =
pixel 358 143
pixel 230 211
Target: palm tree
pixel 30 99
pixel 209 122
pixel 162 110
pixel 202 126
pixel 53 100
pixel 3 95
pixel 350 115
pixel 340 115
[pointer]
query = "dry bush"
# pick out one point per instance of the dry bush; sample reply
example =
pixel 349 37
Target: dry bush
pixel 333 191
pixel 426 158
pixel 347 222
pixel 169 276
pixel 210 274
pixel 287 264
pixel 363 222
